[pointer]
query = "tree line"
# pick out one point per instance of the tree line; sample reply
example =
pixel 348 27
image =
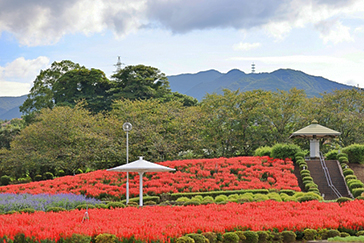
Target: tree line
pixel 71 127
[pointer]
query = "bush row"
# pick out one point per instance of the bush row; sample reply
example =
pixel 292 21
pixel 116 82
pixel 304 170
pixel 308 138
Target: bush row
pixel 279 151
pixel 308 183
pixel 262 236
pixel 248 197
pixel 353 153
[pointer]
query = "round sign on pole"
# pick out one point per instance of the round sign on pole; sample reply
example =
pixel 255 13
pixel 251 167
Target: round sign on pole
pixel 127 126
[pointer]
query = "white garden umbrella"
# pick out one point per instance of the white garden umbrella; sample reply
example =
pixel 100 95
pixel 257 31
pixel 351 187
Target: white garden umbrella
pixel 141 166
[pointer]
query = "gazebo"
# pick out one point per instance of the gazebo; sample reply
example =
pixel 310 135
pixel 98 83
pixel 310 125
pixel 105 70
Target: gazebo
pixel 314 132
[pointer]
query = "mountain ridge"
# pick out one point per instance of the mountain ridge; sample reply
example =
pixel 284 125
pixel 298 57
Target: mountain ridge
pixel 281 79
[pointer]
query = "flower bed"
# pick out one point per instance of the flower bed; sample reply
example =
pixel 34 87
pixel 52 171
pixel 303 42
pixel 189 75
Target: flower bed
pixel 191 176
pixel 166 222
pixel 42 202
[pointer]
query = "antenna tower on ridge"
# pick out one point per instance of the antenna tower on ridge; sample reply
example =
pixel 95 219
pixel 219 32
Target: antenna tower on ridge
pixel 253 67
pixel 118 65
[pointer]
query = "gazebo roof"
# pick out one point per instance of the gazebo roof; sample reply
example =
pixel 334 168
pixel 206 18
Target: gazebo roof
pixel 315 130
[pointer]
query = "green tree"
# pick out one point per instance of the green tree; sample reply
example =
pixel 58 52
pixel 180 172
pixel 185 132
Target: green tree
pixel 233 122
pixel 8 131
pixel 63 138
pixel 160 130
pixel 83 84
pixel 41 95
pixel 139 82
pixel 283 112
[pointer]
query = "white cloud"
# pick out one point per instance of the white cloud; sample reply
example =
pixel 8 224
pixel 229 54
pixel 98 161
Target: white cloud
pixel 246 46
pixel 334 31
pixel 16 77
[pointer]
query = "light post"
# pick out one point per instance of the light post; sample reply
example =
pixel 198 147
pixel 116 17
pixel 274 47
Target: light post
pixel 127 128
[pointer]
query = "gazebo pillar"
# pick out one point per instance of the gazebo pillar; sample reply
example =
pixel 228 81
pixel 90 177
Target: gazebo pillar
pixel 314 148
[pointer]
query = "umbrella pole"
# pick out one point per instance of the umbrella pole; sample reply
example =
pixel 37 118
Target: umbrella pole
pixel 141 189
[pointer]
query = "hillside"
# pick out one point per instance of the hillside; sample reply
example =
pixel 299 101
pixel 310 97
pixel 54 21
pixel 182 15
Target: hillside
pixel 202 83
pixel 9 107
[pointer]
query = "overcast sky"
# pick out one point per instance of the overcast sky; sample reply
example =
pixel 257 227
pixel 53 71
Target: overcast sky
pixel 319 37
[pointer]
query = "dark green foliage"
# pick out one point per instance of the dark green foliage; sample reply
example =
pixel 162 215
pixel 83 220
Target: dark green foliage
pixel 27 210
pixel 241 235
pixel 309 234
pixel 283 151
pixel 263 151
pixel 5 180
pixel 85 206
pixel 263 236
pixel 306 198
pixel 343 160
pixel 149 202
pixel 343 199
pixel 115 205
pixel 355 153
pixel 48 176
pixel 106 238
pixel 38 177
pixel 230 237
pixel 192 202
pixel 344 234
pixel 78 238
pixel 251 237
pixel 332 233
pixel 350 177
pixel 288 236
pixel 198 238
pixel 331 155
pixel 357 192
pixel 55 209
pixel 21 238
pixel 211 236
pixel 348 171
pixel 185 239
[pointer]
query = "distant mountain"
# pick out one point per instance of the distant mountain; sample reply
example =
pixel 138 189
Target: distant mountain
pixel 9 107
pixel 202 83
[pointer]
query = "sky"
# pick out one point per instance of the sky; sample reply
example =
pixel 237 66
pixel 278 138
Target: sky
pixel 319 37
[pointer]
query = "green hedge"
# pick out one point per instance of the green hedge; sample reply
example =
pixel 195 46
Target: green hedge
pixel 355 153
pixel 285 150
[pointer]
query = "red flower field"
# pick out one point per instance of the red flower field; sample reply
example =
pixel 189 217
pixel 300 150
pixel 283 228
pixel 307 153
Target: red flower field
pixel 195 175
pixel 165 222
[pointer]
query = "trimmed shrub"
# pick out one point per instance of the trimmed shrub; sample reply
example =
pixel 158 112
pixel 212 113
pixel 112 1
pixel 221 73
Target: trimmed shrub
pixel 263 151
pixel 307 179
pixel 198 238
pixel 306 198
pixel 101 205
pixel 55 209
pixel 263 236
pixel 38 178
pixel 343 199
pixel 251 237
pixel 283 151
pixel 342 155
pixel 275 237
pixel 344 234
pixel 78 238
pixel 185 239
pixel 182 199
pixel 343 160
pixel 27 210
pixel 332 233
pixel 357 192
pixel 241 235
pixel 300 154
pixel 355 153
pixel 106 238
pixel 48 176
pixel 359 233
pixel 5 180
pixel 331 155
pixel 220 198
pixel 230 237
pixel 352 184
pixel 194 203
pixel 211 236
pixel 85 206
pixel 309 234
pixel 288 236
pixel 149 203
pixel 115 205
pixel 347 172
pixel 310 185
pixel 350 177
